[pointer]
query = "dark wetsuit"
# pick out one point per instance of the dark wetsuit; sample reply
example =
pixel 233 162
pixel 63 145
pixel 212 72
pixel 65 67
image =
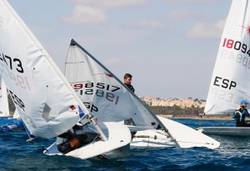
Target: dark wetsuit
pixel 130 87
pixel 77 139
pixel 240 117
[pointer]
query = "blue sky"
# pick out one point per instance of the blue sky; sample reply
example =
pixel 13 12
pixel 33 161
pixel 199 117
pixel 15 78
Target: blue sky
pixel 169 46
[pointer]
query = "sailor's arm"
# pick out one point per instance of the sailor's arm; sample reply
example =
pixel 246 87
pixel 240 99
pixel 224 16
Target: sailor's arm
pixel 246 113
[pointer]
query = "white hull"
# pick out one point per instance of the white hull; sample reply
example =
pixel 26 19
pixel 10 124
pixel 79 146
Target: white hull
pixel 226 131
pixel 4 116
pixel 118 139
pixel 152 139
pixel 184 137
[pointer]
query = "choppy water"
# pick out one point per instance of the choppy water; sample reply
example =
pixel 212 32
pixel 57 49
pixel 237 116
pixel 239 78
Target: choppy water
pixel 234 154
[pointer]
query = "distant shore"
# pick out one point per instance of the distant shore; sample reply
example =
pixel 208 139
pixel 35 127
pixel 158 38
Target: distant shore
pixel 199 117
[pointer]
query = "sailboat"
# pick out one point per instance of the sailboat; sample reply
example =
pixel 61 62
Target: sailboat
pixel 45 101
pixel 230 83
pixel 4 104
pixel 109 99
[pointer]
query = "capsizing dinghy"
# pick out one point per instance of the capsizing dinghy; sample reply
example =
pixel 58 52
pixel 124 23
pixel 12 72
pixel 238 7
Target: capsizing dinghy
pixel 110 100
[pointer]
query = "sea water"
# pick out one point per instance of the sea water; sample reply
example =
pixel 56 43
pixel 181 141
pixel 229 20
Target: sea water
pixel 234 154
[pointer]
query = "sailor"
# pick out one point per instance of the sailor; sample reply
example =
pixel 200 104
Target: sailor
pixel 127 80
pixel 241 114
pixel 75 138
pixel 71 142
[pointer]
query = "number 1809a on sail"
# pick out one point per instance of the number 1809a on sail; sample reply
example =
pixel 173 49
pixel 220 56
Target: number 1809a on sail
pixel 236 45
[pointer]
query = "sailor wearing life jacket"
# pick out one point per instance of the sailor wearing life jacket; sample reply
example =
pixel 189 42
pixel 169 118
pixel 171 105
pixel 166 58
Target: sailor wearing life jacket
pixel 241 114
pixel 75 138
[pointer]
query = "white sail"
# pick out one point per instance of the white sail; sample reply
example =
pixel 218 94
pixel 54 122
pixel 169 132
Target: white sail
pixel 230 81
pixel 43 97
pixel 101 91
pixel 4 104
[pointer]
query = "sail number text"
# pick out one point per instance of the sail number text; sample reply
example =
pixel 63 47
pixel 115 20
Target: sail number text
pixel 236 45
pixel 91 107
pixel 12 63
pixel 17 100
pixel 224 83
pixel 99 89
